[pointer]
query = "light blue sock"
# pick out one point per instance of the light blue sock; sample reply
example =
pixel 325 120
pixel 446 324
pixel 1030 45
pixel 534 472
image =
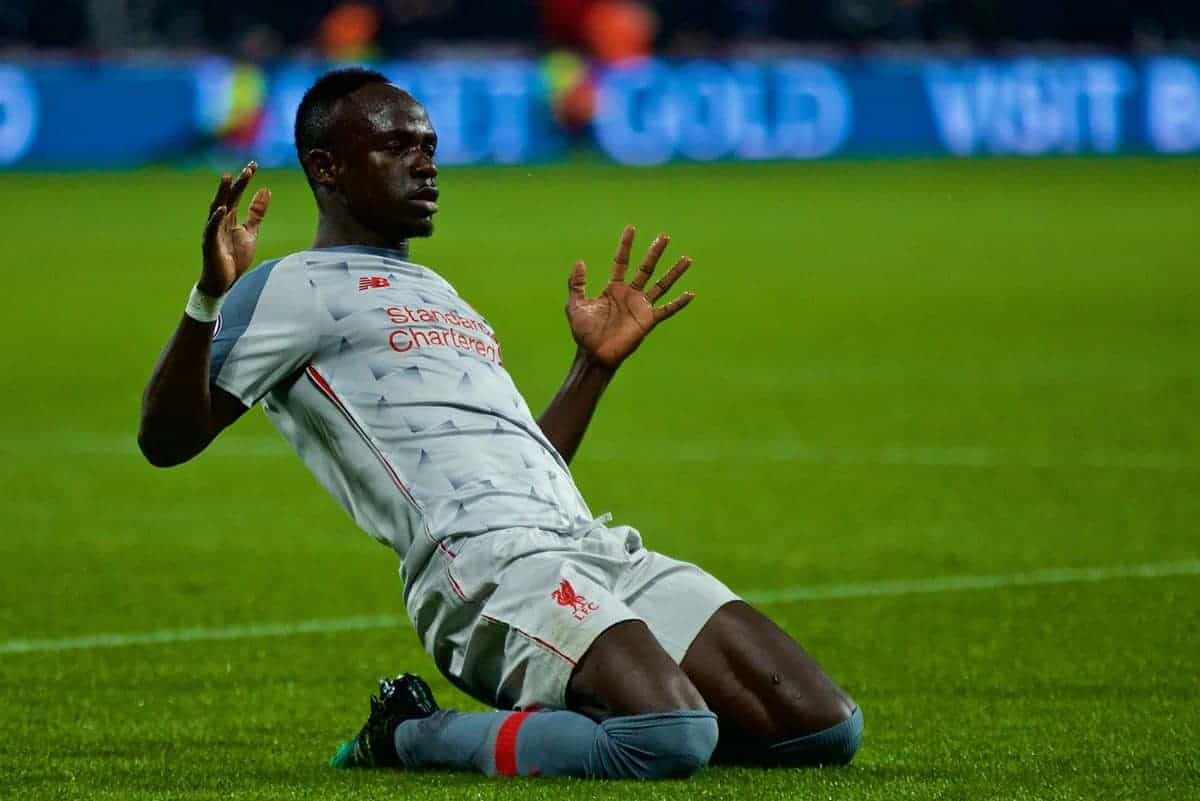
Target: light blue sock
pixel 561 743
pixel 836 745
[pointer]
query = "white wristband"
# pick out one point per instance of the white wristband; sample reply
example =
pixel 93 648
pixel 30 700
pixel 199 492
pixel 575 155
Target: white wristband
pixel 203 308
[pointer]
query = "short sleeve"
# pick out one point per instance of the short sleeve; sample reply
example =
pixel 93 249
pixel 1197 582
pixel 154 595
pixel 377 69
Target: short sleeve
pixel 268 328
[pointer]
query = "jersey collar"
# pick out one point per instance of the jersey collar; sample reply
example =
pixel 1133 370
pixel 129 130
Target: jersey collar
pixel 400 253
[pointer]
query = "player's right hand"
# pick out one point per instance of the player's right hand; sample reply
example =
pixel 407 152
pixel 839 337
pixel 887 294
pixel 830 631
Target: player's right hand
pixel 228 247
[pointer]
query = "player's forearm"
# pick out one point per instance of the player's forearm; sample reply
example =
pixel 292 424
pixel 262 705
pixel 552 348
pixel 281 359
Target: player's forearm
pixel 566 418
pixel 177 419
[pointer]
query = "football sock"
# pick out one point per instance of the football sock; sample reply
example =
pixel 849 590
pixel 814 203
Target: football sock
pixel 561 743
pixel 833 746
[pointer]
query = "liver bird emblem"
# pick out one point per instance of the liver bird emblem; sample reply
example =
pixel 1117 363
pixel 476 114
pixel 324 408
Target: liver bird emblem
pixel 566 596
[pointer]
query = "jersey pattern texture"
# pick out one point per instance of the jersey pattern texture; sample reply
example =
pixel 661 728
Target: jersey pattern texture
pixel 392 389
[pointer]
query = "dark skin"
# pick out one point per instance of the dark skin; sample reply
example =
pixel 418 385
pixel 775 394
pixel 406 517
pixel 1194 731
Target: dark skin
pixel 181 411
pixel 377 186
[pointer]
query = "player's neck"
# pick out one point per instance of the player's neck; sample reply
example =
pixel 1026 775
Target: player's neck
pixel 339 233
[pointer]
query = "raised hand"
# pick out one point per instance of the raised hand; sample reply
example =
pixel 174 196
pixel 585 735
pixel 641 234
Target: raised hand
pixel 228 247
pixel 610 327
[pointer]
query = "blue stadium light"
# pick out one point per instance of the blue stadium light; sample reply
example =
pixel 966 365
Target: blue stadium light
pixel 1173 105
pixel 19 114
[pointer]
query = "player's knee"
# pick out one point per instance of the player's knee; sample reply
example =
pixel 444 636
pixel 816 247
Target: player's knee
pixel 686 748
pixel 790 710
pixel 663 745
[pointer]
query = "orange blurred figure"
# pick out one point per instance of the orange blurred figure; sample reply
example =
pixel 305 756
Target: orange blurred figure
pixel 620 30
pixel 348 31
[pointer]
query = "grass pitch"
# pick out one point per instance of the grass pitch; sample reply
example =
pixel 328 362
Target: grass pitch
pixel 895 375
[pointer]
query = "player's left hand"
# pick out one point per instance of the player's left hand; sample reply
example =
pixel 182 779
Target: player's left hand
pixel 610 327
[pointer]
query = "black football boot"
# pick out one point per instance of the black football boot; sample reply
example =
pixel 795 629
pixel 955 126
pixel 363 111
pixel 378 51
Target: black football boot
pixel 406 697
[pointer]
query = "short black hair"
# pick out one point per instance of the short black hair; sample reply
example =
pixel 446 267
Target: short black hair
pixel 314 118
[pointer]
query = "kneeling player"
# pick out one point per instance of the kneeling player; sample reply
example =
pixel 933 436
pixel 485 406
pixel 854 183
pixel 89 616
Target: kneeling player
pixel 619 661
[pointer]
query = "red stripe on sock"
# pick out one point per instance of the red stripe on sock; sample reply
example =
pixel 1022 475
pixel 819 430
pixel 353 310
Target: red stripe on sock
pixel 506 743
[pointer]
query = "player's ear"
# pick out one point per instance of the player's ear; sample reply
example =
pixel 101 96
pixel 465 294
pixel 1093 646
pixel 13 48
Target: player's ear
pixel 320 167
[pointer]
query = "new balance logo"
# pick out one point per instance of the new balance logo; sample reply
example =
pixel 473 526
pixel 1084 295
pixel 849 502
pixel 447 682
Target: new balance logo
pixel 566 596
pixel 372 282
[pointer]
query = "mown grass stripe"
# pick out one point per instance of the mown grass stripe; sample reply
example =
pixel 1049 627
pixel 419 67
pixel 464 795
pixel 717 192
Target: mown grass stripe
pixel 820 592
pixel 777 450
pixel 1037 578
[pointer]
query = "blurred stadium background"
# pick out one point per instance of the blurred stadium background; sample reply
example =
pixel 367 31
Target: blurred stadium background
pixel 518 82
pixel 934 407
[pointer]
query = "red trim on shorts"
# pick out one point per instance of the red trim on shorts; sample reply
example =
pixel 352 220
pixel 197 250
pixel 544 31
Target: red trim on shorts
pixel 546 645
pixel 530 637
pixel 506 743
pixel 454 585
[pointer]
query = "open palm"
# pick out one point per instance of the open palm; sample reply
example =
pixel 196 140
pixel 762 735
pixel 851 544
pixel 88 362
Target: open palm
pixel 608 328
pixel 229 247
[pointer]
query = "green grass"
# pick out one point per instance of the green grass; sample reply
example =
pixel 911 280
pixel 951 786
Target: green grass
pixel 892 371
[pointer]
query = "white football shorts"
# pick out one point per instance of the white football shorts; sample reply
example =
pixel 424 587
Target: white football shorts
pixel 508 614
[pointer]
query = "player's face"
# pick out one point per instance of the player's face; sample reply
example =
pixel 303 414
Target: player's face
pixel 388 173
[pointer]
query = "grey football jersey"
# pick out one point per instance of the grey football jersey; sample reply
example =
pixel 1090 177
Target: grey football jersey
pixel 393 391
